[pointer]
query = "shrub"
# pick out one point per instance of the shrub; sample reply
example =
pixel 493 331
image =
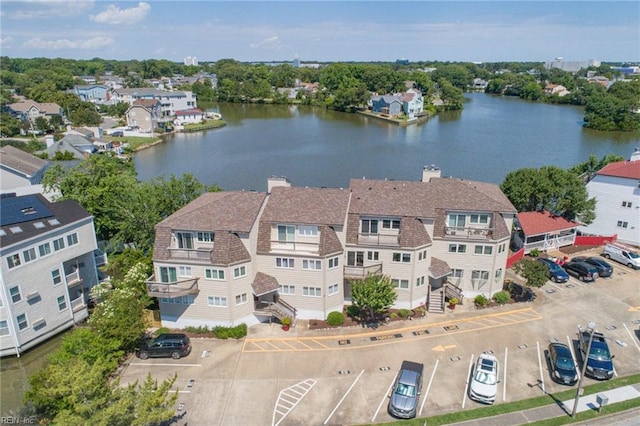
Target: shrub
pixel 534 253
pixel 481 300
pixel 237 332
pixel 201 329
pixel 335 318
pixel 162 330
pixel 454 301
pixel 353 311
pixel 502 297
pixel 404 313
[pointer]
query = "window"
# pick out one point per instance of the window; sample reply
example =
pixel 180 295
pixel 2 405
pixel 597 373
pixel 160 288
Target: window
pixel 479 279
pixel 627 204
pixel 168 274
pixel 372 255
pixel 44 249
pixel 622 224
pixel 307 231
pixel 334 262
pixel 312 291
pixel 15 229
pixel 13 261
pixel 479 218
pixel 217 301
pixel 286 233
pixel 401 257
pixel 457 273
pixel 29 255
pixel 391 224
pixel 184 240
pixel 369 226
pixel 422 255
pixel 333 289
pixel 62 303
pixel 498 274
pixel 355 258
pixel 56 277
pixel 457 248
pixel 53 222
pixel 284 262
pixel 72 239
pixel 58 244
pixel 311 264
pixel 487 250
pixel 239 272
pixel 39 225
pixel 184 271
pixel 501 248
pixel 287 289
pixel 456 220
pixel 420 281
pixel 184 300
pixel 241 299
pixel 14 292
pixel 214 274
pixel 39 323
pixel 205 237
pixel 400 283
pixel 4 328
pixel 22 321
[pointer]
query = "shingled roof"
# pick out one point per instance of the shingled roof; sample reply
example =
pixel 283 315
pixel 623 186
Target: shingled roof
pixel 20 161
pixel 306 206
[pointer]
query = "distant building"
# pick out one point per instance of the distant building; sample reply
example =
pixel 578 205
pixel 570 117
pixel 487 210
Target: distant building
pixel 191 60
pixel 402 61
pixel 571 66
pixel 296 62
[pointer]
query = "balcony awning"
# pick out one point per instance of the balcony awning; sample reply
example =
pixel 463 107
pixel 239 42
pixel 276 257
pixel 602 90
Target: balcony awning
pixel 439 268
pixel 264 284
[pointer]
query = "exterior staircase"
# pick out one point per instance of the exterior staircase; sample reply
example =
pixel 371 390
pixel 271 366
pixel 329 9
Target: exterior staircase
pixel 436 301
pixel 278 310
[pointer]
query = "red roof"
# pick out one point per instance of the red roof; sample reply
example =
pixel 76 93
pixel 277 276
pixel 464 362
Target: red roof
pixel 536 223
pixel 623 169
pixel 192 111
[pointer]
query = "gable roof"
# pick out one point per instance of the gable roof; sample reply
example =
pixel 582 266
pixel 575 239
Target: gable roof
pixel 20 161
pixel 68 144
pixel 542 222
pixel 312 206
pixel 147 103
pixel 622 169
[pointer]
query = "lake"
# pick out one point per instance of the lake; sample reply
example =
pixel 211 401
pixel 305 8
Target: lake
pixel 316 147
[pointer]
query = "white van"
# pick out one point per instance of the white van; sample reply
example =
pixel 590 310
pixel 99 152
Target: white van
pixel 623 254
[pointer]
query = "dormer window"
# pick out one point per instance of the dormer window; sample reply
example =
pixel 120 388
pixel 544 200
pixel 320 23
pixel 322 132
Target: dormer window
pixel 307 231
pixel 184 240
pixel 369 226
pixel 480 219
pixel 205 237
pixel 391 224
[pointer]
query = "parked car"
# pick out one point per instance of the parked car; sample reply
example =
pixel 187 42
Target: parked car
pixel 623 254
pixel 604 268
pixel 582 270
pixel 563 367
pixel 117 134
pixel 406 390
pixel 599 359
pixel 554 271
pixel 174 345
pixel 484 380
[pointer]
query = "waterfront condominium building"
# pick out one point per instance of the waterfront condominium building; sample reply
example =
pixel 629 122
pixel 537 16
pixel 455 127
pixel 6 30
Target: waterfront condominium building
pixel 47 267
pixel 244 257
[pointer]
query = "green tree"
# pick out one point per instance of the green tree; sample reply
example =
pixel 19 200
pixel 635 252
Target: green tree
pixel 452 96
pixel 9 126
pixel 373 294
pixel 533 271
pixel 41 124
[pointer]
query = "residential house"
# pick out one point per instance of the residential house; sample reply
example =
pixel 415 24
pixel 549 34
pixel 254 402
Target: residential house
pixel 19 169
pixel 387 104
pixel 96 93
pixel 555 89
pixel 601 80
pixel 78 145
pixel 89 79
pixel 479 84
pixel 188 116
pixel 412 103
pixel 143 114
pixel 30 110
pixel 233 257
pixel 47 267
pixel 616 188
pixel 545 231
pixel 170 101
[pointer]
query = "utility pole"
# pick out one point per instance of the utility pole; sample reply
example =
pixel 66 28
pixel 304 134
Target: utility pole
pixel 591 328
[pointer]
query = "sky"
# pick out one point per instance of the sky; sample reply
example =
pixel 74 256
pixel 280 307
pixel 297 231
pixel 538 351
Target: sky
pixel 323 31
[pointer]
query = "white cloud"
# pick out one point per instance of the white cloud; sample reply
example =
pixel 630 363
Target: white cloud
pixel 92 43
pixel 115 16
pixel 270 43
pixel 6 41
pixel 31 9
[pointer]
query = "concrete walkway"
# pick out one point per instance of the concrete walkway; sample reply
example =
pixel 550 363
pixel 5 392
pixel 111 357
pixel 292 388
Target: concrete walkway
pixel 564 409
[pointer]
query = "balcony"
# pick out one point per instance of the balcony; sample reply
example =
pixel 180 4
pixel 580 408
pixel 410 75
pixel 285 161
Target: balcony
pixel 73 278
pixel 470 233
pixel 203 254
pixel 294 246
pixel 78 304
pixel 379 239
pixel 361 272
pixel 174 289
pixel 101 258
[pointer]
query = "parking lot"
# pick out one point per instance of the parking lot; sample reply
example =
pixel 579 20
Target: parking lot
pixel 345 377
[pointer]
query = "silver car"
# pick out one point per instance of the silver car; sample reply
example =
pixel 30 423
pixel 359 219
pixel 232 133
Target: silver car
pixel 406 390
pixel 484 381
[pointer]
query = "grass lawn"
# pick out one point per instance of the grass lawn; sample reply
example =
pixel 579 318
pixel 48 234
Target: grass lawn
pixel 540 401
pixel 209 124
pixel 136 142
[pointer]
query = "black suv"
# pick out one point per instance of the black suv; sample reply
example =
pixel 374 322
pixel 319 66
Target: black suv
pixel 582 270
pixel 603 267
pixel 174 345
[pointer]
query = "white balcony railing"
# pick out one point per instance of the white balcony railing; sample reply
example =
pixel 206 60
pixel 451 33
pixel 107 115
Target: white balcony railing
pixel 77 304
pixel 472 233
pixel 297 246
pixel 191 254
pixel 379 239
pixel 362 271
pixel 73 278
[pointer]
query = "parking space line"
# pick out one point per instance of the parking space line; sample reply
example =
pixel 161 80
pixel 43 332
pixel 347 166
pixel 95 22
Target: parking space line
pixel 271 344
pixel 575 356
pixel 385 396
pixel 321 344
pixel 343 397
pixel 467 383
pixel 504 386
pixel 540 367
pixel 287 405
pixel 632 337
pixel 426 392
pixel 291 346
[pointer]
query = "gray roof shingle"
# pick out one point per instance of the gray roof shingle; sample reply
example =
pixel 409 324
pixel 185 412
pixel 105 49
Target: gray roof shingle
pixel 21 161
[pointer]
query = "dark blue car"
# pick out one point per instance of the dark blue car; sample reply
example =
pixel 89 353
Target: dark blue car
pixel 554 271
pixel 603 267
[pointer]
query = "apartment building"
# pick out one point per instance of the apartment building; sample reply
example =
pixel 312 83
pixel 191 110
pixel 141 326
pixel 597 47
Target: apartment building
pixel 234 257
pixel 170 101
pixel 48 265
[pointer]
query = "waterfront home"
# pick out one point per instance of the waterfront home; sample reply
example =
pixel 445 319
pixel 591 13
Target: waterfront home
pixel 188 116
pixel 143 114
pixel 545 231
pixel 170 101
pixel 410 103
pixel 244 257
pixel 616 188
pixel 556 89
pixel 47 267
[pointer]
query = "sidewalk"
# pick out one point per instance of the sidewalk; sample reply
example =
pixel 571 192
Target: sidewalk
pixel 563 409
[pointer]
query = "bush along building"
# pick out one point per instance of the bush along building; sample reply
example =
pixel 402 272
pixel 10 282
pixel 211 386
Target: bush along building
pixel 48 264
pixel 246 257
